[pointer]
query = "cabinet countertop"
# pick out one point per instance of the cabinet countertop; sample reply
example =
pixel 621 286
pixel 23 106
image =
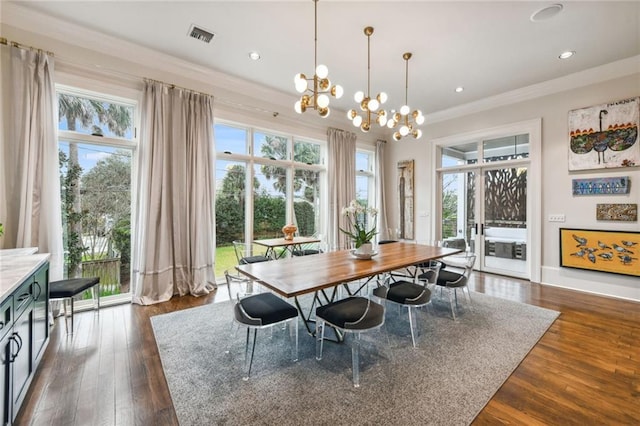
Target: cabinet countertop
pixel 15 269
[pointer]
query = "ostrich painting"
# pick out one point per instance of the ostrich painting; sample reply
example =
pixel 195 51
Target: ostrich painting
pixel 615 143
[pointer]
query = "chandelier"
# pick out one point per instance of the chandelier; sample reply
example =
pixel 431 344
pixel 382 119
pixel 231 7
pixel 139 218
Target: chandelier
pixel 407 119
pixel 319 86
pixel 369 106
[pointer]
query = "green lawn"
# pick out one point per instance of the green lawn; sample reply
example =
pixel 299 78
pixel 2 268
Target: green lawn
pixel 225 259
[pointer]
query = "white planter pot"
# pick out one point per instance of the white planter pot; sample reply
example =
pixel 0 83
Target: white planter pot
pixel 366 248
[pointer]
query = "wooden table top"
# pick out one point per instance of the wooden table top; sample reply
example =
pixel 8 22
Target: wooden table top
pixel 306 274
pixel 281 242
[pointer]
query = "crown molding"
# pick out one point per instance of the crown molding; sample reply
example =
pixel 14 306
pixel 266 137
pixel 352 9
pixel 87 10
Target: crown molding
pixel 610 71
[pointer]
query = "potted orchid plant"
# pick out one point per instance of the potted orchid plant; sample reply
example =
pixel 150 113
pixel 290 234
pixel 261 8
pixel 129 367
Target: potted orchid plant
pixel 357 217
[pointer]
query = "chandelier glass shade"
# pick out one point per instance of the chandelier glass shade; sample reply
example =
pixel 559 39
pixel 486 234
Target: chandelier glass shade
pixel 316 90
pixel 406 120
pixel 369 106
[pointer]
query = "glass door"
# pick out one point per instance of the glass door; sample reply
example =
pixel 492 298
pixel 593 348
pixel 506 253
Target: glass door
pixel 503 229
pixel 482 199
pixel 458 209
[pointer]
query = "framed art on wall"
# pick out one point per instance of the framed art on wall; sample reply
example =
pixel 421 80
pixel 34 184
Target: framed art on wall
pixel 604 251
pixel 605 136
pixel 618 212
pixel 405 191
pixel 599 186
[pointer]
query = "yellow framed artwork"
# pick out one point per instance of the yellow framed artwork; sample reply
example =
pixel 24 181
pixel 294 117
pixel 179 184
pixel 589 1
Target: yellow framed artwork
pixel 616 252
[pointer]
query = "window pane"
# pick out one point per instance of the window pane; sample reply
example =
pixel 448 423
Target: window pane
pixel 230 212
pixel 363 161
pixel 94 117
pixel 459 155
pixel 509 148
pixel 269 146
pixel 458 205
pixel 230 139
pixel 306 152
pixel 269 202
pixel 306 202
pixel 96 206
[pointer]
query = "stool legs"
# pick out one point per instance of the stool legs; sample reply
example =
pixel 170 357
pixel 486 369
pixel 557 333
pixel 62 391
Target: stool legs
pixel 95 294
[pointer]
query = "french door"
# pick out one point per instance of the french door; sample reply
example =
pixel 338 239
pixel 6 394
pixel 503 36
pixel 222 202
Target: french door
pixel 483 196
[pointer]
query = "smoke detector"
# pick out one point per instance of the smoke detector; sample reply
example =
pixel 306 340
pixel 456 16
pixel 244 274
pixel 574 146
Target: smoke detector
pixel 200 33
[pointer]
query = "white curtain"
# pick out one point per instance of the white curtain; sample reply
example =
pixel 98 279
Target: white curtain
pixel 30 189
pixel 174 245
pixel 342 183
pixel 380 192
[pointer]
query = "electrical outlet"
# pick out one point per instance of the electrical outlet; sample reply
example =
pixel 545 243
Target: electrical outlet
pixel 556 218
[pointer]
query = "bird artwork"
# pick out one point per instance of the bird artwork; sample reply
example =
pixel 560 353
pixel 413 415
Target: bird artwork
pixel 615 252
pixel 625 259
pixel 606 256
pixel 604 136
pixel 581 241
pixel 621 249
pixel 580 253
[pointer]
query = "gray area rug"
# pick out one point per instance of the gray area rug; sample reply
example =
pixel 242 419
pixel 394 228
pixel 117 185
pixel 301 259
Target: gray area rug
pixel 447 380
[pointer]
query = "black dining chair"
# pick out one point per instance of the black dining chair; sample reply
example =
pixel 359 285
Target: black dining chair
pixel 452 281
pixel 261 311
pixel 354 315
pixel 410 295
pixel 246 253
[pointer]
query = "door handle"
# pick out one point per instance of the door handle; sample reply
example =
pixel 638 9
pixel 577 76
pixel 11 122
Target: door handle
pixel 482 228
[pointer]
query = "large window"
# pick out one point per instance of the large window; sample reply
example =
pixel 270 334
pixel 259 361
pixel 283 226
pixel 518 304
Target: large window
pixel 365 182
pixel 285 176
pixel 97 144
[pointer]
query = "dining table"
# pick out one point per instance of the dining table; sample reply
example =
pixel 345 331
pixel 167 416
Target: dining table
pixel 289 246
pixel 318 273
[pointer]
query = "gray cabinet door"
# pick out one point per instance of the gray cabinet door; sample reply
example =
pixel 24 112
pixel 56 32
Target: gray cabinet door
pixel 40 312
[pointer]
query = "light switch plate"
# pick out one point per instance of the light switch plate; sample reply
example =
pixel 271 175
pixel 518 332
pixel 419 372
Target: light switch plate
pixel 556 217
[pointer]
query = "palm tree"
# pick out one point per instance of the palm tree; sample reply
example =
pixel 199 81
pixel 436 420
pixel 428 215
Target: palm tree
pixel 275 147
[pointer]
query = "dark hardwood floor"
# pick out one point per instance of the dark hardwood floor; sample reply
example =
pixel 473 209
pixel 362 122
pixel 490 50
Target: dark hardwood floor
pixel 584 371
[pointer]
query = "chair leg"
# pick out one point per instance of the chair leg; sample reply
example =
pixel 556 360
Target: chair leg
pixel 319 338
pixel 411 325
pixel 293 329
pixel 95 292
pixel 355 360
pixel 65 306
pixel 453 313
pixel 249 362
pixel 72 315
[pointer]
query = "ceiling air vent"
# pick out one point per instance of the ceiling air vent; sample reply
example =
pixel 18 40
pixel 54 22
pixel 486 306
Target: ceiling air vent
pixel 200 34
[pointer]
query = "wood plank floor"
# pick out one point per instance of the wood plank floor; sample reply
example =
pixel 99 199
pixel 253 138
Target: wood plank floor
pixel 584 371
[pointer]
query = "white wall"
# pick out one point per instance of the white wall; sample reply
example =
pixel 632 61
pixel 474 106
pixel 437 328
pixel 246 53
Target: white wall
pixel 556 179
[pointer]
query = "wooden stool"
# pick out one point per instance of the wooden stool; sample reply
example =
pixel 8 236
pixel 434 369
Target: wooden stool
pixel 68 289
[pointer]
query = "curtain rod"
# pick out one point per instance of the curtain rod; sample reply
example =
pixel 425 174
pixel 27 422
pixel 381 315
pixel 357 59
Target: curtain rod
pixel 23 46
pixel 229 102
pixel 175 86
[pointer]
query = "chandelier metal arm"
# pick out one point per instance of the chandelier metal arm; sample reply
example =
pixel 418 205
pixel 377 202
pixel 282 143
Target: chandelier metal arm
pixel 367 103
pixel 319 85
pixel 409 120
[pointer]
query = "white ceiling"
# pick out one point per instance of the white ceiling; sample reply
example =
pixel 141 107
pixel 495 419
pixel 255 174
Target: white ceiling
pixel 489 48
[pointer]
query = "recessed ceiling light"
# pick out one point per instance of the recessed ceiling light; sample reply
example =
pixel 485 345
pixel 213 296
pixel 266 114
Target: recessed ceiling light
pixel 567 54
pixel 254 55
pixel 459 89
pixel 546 12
